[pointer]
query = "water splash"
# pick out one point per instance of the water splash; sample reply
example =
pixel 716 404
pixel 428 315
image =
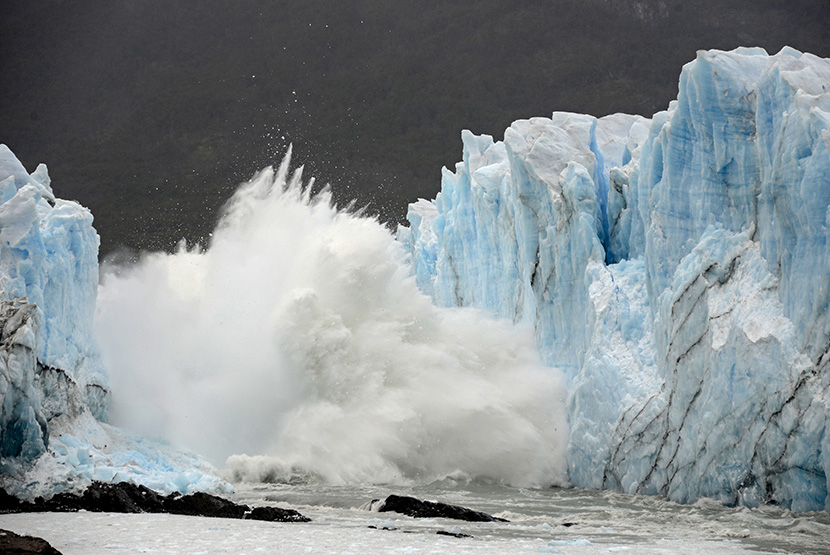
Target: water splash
pixel 298 343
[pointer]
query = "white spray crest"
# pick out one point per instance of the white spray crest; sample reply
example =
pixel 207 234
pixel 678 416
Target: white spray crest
pixel 298 339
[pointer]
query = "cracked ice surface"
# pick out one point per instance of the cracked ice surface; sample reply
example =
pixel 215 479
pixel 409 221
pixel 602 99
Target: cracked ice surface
pixel 676 270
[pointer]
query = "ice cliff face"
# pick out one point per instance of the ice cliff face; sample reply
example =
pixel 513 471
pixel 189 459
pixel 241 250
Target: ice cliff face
pixel 676 270
pixel 54 392
pixel 49 363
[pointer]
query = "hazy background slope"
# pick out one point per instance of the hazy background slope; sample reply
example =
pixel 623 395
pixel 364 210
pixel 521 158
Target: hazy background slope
pixel 151 112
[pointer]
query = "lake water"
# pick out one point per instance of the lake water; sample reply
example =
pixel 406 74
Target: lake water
pixel 607 520
pixel 541 521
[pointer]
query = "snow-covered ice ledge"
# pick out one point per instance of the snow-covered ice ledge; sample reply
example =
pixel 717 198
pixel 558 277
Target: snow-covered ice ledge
pixel 676 270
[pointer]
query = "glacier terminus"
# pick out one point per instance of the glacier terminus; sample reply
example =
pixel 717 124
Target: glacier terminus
pixel 675 272
pixel 675 269
pixel 54 388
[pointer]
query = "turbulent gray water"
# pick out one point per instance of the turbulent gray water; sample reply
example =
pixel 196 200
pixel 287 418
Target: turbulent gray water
pixel 559 519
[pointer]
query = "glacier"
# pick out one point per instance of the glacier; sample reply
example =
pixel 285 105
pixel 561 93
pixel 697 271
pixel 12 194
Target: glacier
pixel 49 268
pixel 675 270
pixel 54 389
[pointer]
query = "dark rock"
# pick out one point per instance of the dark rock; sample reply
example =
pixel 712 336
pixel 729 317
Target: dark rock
pixel 275 514
pixel 13 544
pixel 428 509
pixel 62 502
pixel 122 498
pixel 130 498
pixel 8 503
pixel 101 497
pixel 204 504
pixel 453 534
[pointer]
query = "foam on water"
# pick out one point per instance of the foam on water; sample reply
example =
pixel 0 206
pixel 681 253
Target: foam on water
pixel 299 343
pixel 550 520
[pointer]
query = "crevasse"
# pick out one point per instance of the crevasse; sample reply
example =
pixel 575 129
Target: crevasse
pixel 676 271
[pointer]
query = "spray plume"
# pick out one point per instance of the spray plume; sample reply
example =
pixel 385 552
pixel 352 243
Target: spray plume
pixel 297 345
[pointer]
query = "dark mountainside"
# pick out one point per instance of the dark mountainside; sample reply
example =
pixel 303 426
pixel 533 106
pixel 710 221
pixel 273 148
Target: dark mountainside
pixel 151 112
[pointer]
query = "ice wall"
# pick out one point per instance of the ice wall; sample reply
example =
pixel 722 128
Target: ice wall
pixel 675 268
pixel 49 363
pixel 54 392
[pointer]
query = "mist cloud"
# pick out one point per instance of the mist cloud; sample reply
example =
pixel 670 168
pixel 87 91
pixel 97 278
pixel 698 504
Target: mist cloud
pixel 299 343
